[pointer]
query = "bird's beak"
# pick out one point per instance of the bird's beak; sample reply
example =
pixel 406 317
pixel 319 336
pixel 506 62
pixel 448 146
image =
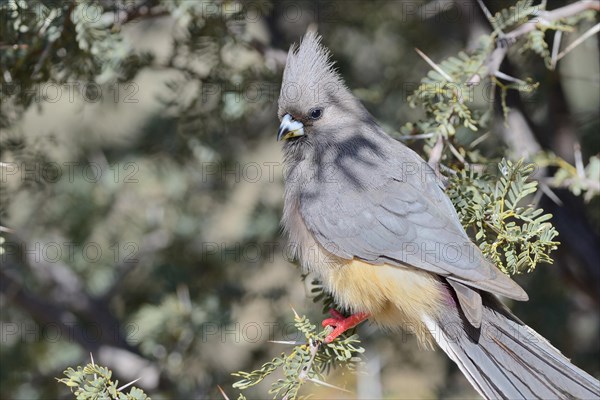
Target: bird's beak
pixel 289 128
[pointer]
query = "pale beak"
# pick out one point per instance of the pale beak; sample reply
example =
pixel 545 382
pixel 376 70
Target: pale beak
pixel 289 128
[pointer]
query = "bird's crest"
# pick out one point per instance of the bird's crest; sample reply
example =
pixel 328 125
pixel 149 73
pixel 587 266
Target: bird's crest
pixel 309 69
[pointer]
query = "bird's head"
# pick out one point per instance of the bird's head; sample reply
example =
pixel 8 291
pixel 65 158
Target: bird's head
pixel 314 103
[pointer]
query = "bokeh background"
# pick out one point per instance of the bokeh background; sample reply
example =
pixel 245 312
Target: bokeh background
pixel 141 196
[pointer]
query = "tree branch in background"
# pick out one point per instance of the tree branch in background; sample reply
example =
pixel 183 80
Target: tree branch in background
pixel 541 18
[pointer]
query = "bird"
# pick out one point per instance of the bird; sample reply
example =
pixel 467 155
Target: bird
pixel 370 219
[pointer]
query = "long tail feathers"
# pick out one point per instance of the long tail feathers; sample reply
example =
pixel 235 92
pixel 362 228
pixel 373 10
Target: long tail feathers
pixel 505 359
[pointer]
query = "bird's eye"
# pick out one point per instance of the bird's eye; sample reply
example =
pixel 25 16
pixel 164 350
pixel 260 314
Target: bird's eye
pixel 316 113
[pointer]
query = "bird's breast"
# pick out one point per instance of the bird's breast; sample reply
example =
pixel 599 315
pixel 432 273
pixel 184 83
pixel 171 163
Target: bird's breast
pixel 395 297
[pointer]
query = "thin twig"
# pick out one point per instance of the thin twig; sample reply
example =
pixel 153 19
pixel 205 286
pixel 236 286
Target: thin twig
pixel 454 151
pixel 222 392
pixel 5 229
pixel 295 313
pixel 314 347
pixel 487 13
pixel 128 384
pixel 506 77
pixel 579 161
pixel 289 342
pixel 555 48
pixel 589 33
pixel 92 358
pixel 416 137
pixel 436 153
pixel 320 382
pixel 434 65
pixel 480 139
pixel 550 193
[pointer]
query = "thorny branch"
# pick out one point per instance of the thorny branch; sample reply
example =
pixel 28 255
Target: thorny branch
pixel 492 64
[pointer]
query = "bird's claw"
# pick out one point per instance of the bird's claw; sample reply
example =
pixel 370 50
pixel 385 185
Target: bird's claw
pixel 341 324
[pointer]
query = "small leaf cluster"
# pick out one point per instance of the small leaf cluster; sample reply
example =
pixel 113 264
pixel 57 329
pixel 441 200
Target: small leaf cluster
pixel 535 40
pixel 525 11
pixel 579 180
pixel 95 382
pixel 446 101
pixel 66 41
pixel 513 15
pixel 58 41
pixel 309 361
pixel 515 237
pixel 445 93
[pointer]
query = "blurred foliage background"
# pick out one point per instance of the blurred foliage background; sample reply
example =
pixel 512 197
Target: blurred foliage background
pixel 141 187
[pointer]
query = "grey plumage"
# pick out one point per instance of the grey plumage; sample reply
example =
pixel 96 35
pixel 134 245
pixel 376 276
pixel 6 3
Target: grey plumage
pixel 355 195
pixel 506 359
pixel 410 221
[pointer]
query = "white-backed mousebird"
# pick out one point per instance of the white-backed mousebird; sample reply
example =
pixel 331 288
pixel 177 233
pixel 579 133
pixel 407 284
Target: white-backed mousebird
pixel 368 216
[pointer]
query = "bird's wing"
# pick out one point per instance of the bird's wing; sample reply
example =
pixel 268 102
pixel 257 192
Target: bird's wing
pixel 402 223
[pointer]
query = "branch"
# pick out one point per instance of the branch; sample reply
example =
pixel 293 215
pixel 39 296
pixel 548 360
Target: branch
pixel 66 295
pixel 113 351
pixel 591 32
pixel 493 62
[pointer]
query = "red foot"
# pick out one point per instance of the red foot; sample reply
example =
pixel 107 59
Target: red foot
pixel 341 324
